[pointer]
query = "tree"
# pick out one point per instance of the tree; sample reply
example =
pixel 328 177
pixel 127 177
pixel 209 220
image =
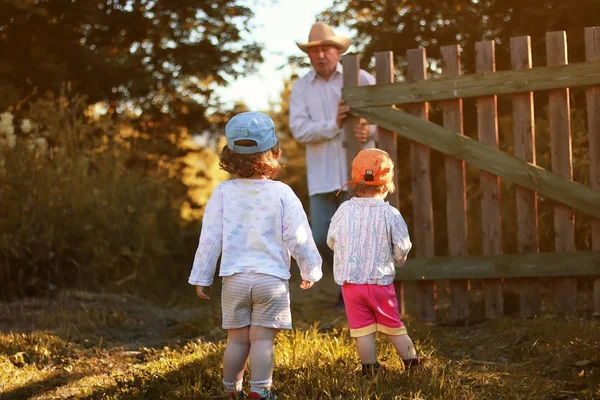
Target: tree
pixel 161 58
pixel 400 25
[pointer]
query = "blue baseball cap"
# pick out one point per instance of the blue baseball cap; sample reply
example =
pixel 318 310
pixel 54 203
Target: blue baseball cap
pixel 254 126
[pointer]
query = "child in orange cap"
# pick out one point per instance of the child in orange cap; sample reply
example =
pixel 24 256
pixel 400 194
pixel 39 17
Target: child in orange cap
pixel 370 239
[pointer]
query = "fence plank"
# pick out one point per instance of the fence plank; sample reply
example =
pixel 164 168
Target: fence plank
pixel 592 53
pixel 582 263
pixel 504 165
pixel 524 139
pixel 351 76
pixel 560 136
pixel 475 85
pixel 487 127
pixel 421 192
pixel 456 203
pixel 384 73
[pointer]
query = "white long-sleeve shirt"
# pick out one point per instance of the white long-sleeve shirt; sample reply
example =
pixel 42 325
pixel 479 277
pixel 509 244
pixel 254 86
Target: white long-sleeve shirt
pixel 369 238
pixel 254 225
pixel 313 111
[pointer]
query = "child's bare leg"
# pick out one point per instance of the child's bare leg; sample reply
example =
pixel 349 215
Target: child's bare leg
pixel 261 358
pixel 367 350
pixel 404 346
pixel 235 357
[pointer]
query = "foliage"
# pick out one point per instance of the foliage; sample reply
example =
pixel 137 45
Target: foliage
pixel 401 25
pixel 160 57
pixel 84 209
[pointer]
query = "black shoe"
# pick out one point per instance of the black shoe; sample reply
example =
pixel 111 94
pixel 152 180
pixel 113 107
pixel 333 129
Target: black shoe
pixel 371 370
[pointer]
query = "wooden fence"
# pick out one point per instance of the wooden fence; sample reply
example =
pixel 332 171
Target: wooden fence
pixel 403 109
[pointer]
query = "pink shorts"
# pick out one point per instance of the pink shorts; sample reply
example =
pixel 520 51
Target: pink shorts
pixel 372 308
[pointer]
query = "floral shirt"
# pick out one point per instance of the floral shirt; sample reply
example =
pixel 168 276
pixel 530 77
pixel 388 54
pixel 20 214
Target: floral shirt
pixel 369 238
pixel 254 225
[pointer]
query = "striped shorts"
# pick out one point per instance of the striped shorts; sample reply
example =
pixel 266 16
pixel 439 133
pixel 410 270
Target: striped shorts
pixel 251 299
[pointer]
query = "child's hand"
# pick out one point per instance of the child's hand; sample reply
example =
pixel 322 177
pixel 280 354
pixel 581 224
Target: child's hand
pixel 200 291
pixel 306 284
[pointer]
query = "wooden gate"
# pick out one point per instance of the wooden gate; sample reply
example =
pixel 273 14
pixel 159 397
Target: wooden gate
pixel 403 108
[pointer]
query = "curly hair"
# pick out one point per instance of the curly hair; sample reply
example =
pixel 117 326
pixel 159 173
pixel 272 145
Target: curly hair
pixel 265 164
pixel 361 190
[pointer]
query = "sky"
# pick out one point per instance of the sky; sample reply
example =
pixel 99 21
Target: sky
pixel 279 26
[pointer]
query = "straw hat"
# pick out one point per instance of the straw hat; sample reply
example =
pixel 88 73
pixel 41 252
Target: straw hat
pixel 321 34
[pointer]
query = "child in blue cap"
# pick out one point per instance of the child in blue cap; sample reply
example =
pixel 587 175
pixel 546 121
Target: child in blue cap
pixel 254 223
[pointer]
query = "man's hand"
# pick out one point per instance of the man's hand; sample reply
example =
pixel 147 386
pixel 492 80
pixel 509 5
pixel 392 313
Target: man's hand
pixel 361 130
pixel 200 291
pixel 306 284
pixel 341 114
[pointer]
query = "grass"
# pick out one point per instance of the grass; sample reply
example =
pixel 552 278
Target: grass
pixel 81 345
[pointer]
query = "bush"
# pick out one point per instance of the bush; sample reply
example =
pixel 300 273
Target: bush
pixel 76 214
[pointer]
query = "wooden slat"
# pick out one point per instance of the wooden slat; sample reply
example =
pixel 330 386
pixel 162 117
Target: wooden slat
pixel 560 134
pixel 475 85
pixel 456 194
pixel 351 65
pixel 524 139
pixel 384 73
pixel 422 235
pixel 487 128
pixel 586 263
pixel 592 53
pixel 504 165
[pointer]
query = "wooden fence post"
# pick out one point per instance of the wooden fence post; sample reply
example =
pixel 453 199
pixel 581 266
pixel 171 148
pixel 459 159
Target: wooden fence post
pixel 456 204
pixel 384 73
pixel 524 139
pixel 421 188
pixel 351 65
pixel 560 134
pixel 487 126
pixel 592 53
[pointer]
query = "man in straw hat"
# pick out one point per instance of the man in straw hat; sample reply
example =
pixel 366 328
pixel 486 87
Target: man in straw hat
pixel 316 118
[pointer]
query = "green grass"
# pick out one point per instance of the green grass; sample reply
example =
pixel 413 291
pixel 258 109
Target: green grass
pixel 102 346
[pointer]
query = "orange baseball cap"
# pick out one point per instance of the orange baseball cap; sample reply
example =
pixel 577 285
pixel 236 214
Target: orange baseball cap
pixel 372 167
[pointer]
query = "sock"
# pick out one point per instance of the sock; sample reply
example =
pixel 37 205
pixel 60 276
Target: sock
pixel 232 387
pixel 261 388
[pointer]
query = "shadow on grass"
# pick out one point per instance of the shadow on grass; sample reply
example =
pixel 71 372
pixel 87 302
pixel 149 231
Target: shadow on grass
pixel 198 379
pixel 37 388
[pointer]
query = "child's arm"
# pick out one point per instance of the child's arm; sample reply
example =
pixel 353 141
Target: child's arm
pixel 332 232
pixel 400 238
pixel 211 242
pixel 298 238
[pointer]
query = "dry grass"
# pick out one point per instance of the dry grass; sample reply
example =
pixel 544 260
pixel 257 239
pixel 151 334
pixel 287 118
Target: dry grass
pixel 93 346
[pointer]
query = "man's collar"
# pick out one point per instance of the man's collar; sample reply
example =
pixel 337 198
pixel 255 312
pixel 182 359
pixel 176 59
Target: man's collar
pixel 338 68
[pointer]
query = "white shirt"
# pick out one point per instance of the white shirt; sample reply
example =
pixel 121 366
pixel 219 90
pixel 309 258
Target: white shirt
pixel 313 112
pixel 255 225
pixel 369 238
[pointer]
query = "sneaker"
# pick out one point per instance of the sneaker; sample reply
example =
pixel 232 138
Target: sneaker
pixel 268 396
pixel 240 396
pixel 413 362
